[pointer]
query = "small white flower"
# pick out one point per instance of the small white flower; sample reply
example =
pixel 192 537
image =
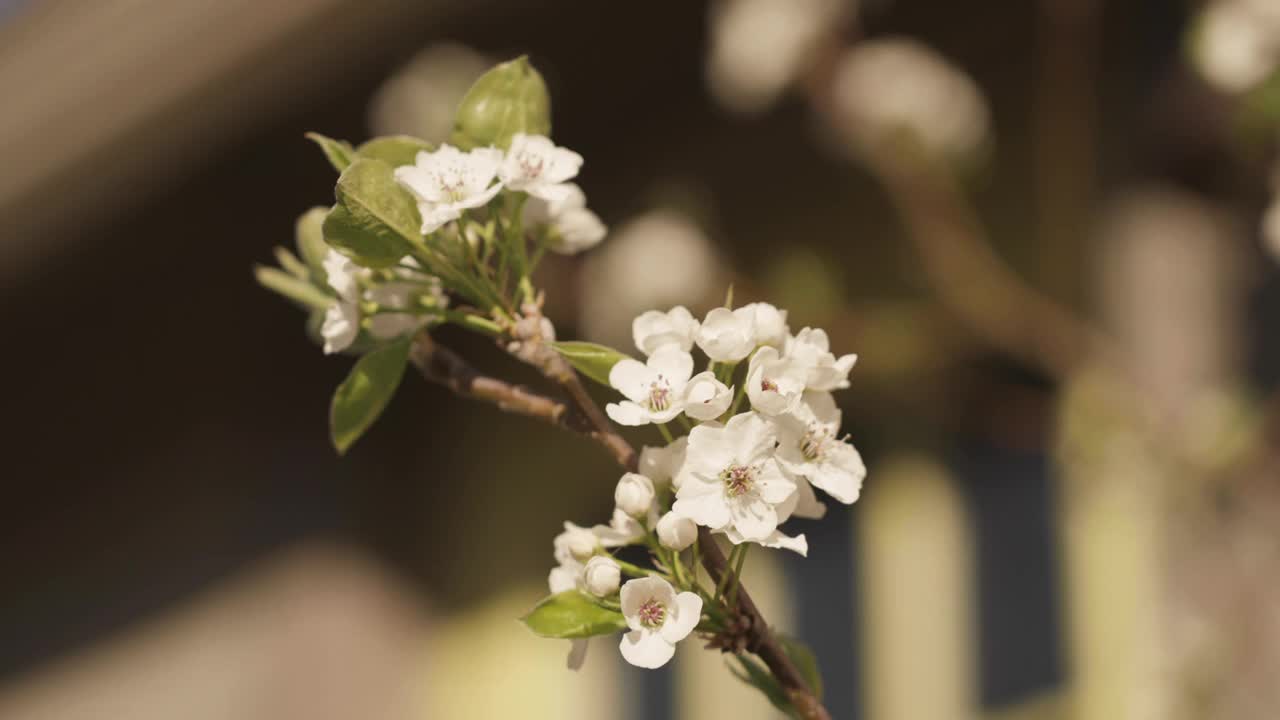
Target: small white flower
pixel 575 544
pixel 601 576
pixel 676 532
pixel 342 275
pixel 655 329
pixel 809 448
pixel 654 390
pixel 705 397
pixel 624 529
pixel 731 480
pixel 448 181
pixel 770 324
pixel 537 166
pixel 634 495
pixel 341 326
pixel 727 335
pixel 810 350
pixel 659 618
pixel 774 384
pixel 574 228
pixel 662 464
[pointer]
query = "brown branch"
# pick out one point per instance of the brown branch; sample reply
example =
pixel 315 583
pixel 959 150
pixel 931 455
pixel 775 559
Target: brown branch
pixel 532 349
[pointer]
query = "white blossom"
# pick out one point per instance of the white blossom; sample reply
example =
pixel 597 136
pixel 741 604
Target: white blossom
pixel 727 335
pixel 654 390
pixel 810 350
pixel 537 166
pixel 342 274
pixel 655 329
pixel 769 322
pixel 573 228
pixel 340 327
pixel 705 397
pixel 448 181
pixel 624 529
pixel 810 448
pixel 634 494
pixel 774 384
pixel 575 544
pixel 676 532
pixel 662 464
pixel 658 617
pixel 1237 43
pixel 601 576
pixel 730 478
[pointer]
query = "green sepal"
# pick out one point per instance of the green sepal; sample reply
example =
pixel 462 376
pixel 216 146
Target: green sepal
pixel 508 99
pixel 300 292
pixel 339 152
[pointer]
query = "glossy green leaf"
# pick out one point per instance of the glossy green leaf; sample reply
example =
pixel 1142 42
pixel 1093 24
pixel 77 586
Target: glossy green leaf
pixel 571 614
pixel 339 152
pixel 594 361
pixel 299 291
pixel 362 397
pixel 308 234
pixel 394 150
pixel 375 221
pixel 508 99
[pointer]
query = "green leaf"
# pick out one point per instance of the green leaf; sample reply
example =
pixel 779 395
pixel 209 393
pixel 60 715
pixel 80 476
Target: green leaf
pixel 571 614
pixel 753 672
pixel 376 221
pixel 394 150
pixel 308 235
pixel 361 398
pixel 299 291
pixel 805 661
pixel 594 361
pixel 339 152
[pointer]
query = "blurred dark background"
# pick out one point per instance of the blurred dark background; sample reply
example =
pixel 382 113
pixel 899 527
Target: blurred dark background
pixel 166 423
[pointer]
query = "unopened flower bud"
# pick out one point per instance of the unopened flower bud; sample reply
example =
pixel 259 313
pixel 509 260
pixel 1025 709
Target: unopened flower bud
pixel 676 532
pixel 511 98
pixel 634 494
pixel 601 576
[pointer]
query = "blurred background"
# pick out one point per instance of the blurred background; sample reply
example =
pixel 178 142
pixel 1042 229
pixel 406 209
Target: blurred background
pixel 1040 224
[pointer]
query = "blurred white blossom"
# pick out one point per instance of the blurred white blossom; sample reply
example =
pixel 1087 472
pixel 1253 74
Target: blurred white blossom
pixel 1236 44
pixel 573 228
pixel 887 87
pixel 760 47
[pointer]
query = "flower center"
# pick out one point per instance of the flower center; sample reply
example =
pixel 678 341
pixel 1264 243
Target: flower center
pixel 738 479
pixel 659 395
pixel 532 166
pixel 813 444
pixel 767 385
pixel 652 614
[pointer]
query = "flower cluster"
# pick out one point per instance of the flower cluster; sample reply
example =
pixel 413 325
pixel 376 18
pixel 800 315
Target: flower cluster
pixel 740 472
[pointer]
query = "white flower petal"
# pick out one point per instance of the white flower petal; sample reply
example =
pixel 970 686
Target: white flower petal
pixel 681 622
pixel 673 364
pixel 627 413
pixel 753 517
pixel 631 378
pixel 646 649
pixel 707 509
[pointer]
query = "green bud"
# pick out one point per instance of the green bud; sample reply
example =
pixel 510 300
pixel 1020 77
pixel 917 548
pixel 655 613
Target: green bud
pixel 310 240
pixel 511 98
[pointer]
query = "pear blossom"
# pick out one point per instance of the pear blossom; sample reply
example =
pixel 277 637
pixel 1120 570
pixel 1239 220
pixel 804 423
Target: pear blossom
pixel 676 532
pixel 601 576
pixel 573 228
pixel 769 322
pixel 654 390
pixel 537 166
pixel 731 479
pixel 659 617
pixel 448 181
pixel 727 335
pixel 809 448
pixel 705 397
pixel 340 327
pixel 810 350
pixel 662 464
pixel 655 328
pixel 774 384
pixel 624 529
pixel 341 274
pixel 575 544
pixel 634 494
